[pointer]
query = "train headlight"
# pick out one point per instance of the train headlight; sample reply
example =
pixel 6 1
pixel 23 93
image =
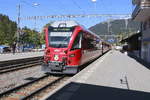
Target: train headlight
pixel 72 55
pixel 56 57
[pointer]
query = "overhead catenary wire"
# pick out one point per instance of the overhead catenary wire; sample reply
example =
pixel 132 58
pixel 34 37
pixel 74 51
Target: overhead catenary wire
pixel 64 10
pixel 76 16
pixel 78 6
pixel 63 6
pixel 68 16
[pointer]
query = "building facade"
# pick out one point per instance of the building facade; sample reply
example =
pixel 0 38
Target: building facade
pixel 141 13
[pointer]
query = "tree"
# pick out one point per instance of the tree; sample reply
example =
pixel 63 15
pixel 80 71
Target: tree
pixel 31 37
pixel 48 24
pixel 8 29
pixel 42 34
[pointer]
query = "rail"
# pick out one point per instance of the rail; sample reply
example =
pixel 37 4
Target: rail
pixel 28 90
pixel 13 65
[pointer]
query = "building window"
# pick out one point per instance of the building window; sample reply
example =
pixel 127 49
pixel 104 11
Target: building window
pixel 144 25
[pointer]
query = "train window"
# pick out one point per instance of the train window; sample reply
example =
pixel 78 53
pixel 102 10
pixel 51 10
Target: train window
pixel 89 42
pixel 59 39
pixel 77 42
pixel 84 42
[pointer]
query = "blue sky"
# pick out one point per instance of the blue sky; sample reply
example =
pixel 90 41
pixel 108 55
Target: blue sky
pixel 61 7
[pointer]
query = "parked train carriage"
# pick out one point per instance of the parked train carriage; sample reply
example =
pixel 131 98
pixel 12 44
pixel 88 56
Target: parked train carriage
pixel 68 47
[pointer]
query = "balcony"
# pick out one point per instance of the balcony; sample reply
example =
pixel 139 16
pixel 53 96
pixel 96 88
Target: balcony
pixel 136 2
pixel 142 11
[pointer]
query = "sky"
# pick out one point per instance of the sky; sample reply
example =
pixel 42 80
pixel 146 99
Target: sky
pixel 63 7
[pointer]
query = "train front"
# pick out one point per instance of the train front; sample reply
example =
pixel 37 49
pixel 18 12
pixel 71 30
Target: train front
pixel 57 38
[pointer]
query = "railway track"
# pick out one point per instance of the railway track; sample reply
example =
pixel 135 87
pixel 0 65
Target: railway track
pixel 14 65
pixel 18 61
pixel 33 89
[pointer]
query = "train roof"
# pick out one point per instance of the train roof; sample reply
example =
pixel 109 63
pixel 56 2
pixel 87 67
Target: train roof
pixel 68 23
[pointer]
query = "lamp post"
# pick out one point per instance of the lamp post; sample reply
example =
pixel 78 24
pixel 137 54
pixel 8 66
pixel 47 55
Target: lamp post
pixel 19 21
pixel 94 1
pixel 18 27
pixel 35 5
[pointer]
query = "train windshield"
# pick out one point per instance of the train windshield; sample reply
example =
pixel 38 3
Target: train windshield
pixel 59 38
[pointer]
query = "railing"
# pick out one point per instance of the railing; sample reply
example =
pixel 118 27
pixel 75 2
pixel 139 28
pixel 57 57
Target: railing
pixel 135 2
pixel 144 4
pixel 136 10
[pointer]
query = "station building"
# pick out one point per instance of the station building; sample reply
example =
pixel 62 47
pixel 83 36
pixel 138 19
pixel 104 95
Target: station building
pixel 141 14
pixel 132 44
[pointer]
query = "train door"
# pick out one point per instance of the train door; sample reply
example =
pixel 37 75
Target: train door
pixel 75 52
pixel 86 48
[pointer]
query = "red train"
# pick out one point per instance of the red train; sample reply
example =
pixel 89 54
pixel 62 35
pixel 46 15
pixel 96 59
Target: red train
pixel 69 46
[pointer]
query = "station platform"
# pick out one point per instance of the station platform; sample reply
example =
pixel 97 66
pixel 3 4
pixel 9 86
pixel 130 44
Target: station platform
pixel 11 56
pixel 114 76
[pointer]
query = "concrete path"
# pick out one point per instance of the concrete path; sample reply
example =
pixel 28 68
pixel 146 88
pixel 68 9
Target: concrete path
pixel 115 76
pixel 116 66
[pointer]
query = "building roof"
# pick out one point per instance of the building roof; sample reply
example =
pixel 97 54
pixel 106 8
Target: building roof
pixel 132 37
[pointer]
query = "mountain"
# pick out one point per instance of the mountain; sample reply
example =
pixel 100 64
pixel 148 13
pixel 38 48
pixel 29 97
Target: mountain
pixel 115 27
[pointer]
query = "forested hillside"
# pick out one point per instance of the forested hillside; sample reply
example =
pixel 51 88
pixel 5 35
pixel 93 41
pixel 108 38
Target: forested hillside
pixel 116 27
pixel 7 30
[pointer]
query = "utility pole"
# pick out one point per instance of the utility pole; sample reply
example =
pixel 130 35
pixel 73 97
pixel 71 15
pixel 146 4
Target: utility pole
pixel 108 28
pixel 35 22
pixel 18 22
pixel 126 26
pixel 19 18
pixel 18 25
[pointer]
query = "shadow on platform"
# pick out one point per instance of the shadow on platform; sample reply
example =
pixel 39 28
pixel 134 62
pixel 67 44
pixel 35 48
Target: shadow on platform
pixel 79 91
